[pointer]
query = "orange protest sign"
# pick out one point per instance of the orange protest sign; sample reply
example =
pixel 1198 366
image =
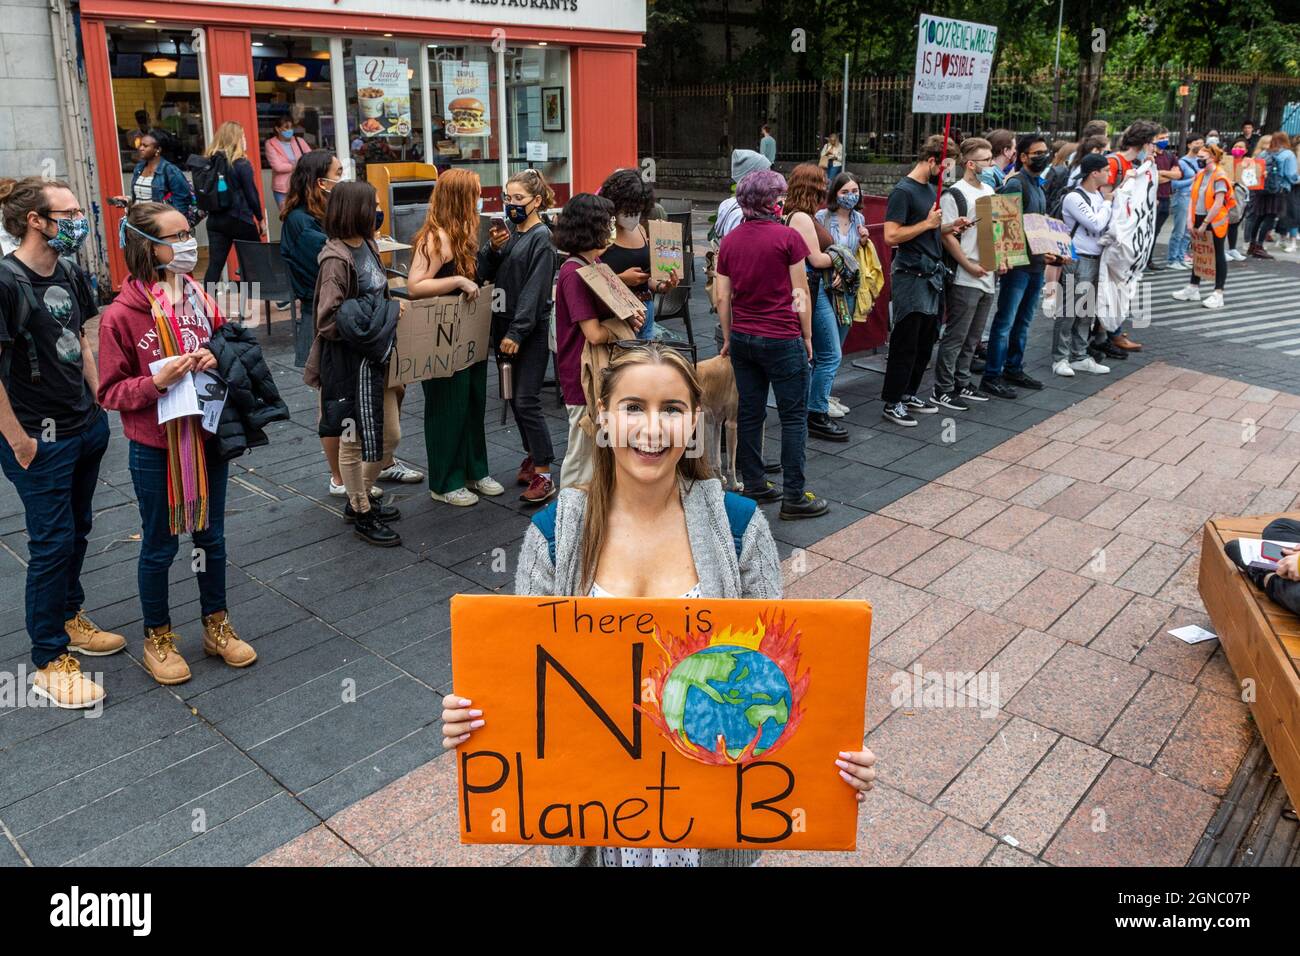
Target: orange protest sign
pixel 660 723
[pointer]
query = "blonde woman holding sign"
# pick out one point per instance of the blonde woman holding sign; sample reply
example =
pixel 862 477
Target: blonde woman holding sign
pixel 652 523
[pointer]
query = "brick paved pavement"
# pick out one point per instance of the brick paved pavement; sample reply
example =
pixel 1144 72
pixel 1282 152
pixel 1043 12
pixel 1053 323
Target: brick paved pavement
pixel 273 761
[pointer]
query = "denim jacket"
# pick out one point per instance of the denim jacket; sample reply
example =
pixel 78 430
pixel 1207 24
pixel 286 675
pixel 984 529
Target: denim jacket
pixel 169 186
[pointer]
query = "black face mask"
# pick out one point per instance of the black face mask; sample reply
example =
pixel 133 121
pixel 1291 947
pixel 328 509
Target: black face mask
pixel 934 178
pixel 1037 164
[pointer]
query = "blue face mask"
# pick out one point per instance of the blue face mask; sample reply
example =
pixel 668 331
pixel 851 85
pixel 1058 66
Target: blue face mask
pixel 989 176
pixel 72 233
pixel 849 200
pixel 1162 143
pixel 480 204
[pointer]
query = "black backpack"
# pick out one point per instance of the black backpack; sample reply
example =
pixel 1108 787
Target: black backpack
pixel 213 188
pixel 959 200
pixel 1057 185
pixel 27 304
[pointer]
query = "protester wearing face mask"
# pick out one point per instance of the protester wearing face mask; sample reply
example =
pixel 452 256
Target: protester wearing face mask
pixel 245 219
pixel 521 262
pixel 1003 144
pixel 177 471
pixel 1238 152
pixel 1167 164
pixel 1212 198
pixel 1020 288
pixel 283 150
pixel 1179 194
pixel 54 434
pixel 155 179
pixel 629 254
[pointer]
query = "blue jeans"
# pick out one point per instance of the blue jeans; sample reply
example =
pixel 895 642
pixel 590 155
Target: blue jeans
pixel 158 545
pixel 783 364
pixel 57 490
pixel 826 353
pixel 1017 302
pixel 1179 238
pixel 832 171
pixel 647 332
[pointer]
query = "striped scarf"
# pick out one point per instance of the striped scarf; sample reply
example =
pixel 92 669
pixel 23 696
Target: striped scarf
pixel 187 471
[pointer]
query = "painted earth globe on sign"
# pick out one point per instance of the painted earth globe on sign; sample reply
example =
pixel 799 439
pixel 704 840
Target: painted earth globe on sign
pixel 727 691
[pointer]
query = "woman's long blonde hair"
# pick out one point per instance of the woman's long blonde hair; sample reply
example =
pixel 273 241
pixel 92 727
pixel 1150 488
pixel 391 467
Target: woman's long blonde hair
pixel 453 212
pixel 600 492
pixel 228 139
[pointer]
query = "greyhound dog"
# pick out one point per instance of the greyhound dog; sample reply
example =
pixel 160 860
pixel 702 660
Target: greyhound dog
pixel 720 401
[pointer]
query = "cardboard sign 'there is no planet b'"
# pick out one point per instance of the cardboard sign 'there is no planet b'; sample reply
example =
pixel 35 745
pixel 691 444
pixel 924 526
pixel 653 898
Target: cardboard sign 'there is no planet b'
pixel 438 337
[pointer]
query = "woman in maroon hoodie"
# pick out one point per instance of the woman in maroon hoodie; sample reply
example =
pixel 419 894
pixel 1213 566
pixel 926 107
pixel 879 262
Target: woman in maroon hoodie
pixel 180 479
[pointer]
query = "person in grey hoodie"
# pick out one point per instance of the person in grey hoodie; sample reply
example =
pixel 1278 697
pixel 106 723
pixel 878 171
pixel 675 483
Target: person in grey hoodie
pixel 743 162
pixel 651 523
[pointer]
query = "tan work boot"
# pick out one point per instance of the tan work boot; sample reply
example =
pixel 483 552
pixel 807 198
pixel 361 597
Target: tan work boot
pixel 161 659
pixel 63 685
pixel 85 638
pixel 220 640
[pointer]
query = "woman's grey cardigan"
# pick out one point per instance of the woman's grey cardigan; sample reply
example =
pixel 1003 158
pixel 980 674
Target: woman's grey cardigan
pixel 756 575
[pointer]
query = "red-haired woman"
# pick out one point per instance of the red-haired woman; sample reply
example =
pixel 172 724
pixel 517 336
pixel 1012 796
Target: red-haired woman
pixel 444 263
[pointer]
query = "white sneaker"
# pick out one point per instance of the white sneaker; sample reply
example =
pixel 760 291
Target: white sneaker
pixel 834 411
pixel 1063 369
pixel 1290 245
pixel 1189 293
pixel 1179 264
pixel 1090 364
pixel 461 497
pixel 398 471
pixel 1236 255
pixel 1214 300
pixel 836 404
pixel 341 491
pixel 488 486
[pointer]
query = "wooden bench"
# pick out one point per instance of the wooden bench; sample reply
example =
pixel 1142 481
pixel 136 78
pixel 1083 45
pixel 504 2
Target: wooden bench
pixel 1261 640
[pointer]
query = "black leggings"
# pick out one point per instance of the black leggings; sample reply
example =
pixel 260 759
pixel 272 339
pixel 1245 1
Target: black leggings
pixel 1262 226
pixel 1220 258
pixel 530 364
pixel 223 230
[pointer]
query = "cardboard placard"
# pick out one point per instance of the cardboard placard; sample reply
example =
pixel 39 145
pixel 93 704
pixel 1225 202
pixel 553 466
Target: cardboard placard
pixel 612 291
pixel 438 337
pixel 659 723
pixel 1229 166
pixel 1001 231
pixel 1251 173
pixel 1047 236
pixel 667 249
pixel 1202 254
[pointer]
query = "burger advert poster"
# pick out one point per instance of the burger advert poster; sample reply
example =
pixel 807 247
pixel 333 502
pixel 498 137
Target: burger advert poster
pixel 466 95
pixel 383 96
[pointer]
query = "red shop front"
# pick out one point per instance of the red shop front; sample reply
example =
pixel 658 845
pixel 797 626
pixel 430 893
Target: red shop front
pixel 549 84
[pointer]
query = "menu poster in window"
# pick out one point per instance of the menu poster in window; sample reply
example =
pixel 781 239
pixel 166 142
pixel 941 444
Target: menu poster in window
pixel 383 96
pixel 466 97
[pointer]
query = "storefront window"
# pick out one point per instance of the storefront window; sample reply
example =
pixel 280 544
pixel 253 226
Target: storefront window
pixel 466 128
pixel 537 102
pixel 385 112
pixel 292 76
pixel 155 73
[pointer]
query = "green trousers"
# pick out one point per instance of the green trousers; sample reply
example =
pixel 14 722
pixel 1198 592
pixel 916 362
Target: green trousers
pixel 454 409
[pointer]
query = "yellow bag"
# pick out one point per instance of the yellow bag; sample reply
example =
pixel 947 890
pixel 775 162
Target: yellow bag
pixel 871 280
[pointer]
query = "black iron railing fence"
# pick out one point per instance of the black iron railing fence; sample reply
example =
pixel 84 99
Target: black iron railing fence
pixel 709 120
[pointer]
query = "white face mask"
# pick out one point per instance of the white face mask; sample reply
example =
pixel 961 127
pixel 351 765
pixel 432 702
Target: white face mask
pixel 185 256
pixel 628 223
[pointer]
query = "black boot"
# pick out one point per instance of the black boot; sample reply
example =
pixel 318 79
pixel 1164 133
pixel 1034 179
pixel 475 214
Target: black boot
pixel 821 425
pixel 382 512
pixel 370 529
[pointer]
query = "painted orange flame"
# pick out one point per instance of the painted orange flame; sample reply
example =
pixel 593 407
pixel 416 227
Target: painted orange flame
pixel 777 639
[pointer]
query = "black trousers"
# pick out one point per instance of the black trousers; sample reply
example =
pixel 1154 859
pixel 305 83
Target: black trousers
pixel 1220 258
pixel 223 230
pixel 530 364
pixel 1162 213
pixel 910 343
pixel 1279 590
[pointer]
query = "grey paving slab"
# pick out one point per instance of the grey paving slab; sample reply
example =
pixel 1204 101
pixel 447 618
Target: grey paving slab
pixel 374 771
